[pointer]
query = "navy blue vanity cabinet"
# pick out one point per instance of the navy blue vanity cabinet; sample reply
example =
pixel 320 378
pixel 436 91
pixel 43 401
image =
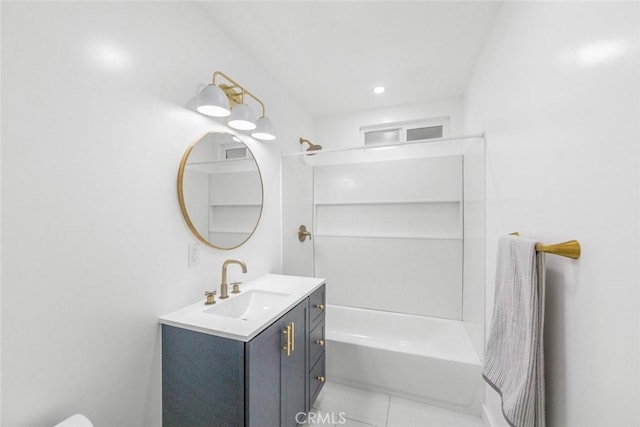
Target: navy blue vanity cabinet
pixel 317 365
pixel 213 381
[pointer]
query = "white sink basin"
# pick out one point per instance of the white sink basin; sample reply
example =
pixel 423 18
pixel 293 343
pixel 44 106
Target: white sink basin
pixel 243 316
pixel 248 305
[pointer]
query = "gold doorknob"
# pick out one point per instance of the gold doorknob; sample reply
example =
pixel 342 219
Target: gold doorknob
pixel 319 306
pixel 320 342
pixel 321 378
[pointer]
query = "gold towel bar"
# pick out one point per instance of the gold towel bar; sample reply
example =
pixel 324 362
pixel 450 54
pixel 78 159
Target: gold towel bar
pixel 569 249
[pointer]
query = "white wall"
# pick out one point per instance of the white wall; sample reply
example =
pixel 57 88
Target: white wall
pixel 0 223
pixel 94 245
pixel 195 192
pixel 556 89
pixel 341 131
pixel 473 295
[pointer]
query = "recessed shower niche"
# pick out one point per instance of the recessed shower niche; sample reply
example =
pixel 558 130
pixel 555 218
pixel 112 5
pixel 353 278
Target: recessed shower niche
pixel 396 223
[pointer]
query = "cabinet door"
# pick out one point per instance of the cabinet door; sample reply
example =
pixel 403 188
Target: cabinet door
pixel 202 379
pixel 276 383
pixel 294 367
pixel 263 380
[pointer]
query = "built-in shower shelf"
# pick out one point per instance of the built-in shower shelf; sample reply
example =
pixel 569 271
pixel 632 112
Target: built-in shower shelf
pixel 388 202
pixel 233 217
pixel 233 205
pixel 378 236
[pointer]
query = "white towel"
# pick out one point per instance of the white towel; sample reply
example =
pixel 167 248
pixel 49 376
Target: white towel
pixel 514 358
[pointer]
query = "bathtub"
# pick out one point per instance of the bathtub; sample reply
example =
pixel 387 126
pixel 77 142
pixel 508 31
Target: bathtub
pixel 414 357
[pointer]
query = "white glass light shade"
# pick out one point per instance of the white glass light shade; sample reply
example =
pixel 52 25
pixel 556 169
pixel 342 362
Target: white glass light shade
pixel 264 130
pixel 242 118
pixel 212 101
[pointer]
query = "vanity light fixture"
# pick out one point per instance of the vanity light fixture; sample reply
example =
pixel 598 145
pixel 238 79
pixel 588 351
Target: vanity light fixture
pixel 227 99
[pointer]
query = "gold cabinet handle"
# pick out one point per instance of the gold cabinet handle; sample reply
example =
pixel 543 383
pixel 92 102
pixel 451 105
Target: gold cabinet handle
pixel 321 378
pixel 293 337
pixel 319 306
pixel 287 347
pixel 320 342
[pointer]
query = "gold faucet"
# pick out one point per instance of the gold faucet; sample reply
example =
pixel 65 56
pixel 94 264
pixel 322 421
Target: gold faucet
pixel 224 287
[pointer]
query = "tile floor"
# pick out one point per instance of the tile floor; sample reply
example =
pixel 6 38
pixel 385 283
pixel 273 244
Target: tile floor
pixel 361 408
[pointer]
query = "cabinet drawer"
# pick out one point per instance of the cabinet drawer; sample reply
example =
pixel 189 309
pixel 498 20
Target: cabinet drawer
pixel 317 306
pixel 316 379
pixel 316 343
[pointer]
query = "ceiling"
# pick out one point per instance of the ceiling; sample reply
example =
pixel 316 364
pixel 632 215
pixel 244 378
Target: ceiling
pixel 330 55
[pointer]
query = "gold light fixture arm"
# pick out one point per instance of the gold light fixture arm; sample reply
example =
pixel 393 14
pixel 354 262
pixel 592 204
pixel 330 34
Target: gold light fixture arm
pixel 234 96
pixel 569 249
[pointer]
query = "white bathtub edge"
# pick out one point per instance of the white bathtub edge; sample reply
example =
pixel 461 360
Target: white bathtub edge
pixel 467 354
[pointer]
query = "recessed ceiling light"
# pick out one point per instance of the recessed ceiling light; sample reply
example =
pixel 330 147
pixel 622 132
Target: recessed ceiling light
pixel 378 89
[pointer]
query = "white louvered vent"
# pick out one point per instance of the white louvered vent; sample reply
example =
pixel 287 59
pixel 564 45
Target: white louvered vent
pixel 393 133
pixel 429 132
pixel 234 152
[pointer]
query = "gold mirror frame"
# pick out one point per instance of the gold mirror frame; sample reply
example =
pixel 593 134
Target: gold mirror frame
pixel 181 199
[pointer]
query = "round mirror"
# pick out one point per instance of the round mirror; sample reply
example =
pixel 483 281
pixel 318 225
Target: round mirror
pixel 220 190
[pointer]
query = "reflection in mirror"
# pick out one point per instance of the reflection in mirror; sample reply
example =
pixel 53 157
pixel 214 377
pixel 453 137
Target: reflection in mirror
pixel 220 190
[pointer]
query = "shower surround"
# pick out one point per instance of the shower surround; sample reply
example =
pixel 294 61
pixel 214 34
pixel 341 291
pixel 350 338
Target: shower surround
pixel 397 232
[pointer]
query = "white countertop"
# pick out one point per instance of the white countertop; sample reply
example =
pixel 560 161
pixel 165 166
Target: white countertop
pixel 196 318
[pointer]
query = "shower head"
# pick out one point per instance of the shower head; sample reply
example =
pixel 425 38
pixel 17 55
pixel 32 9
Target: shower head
pixel 312 146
